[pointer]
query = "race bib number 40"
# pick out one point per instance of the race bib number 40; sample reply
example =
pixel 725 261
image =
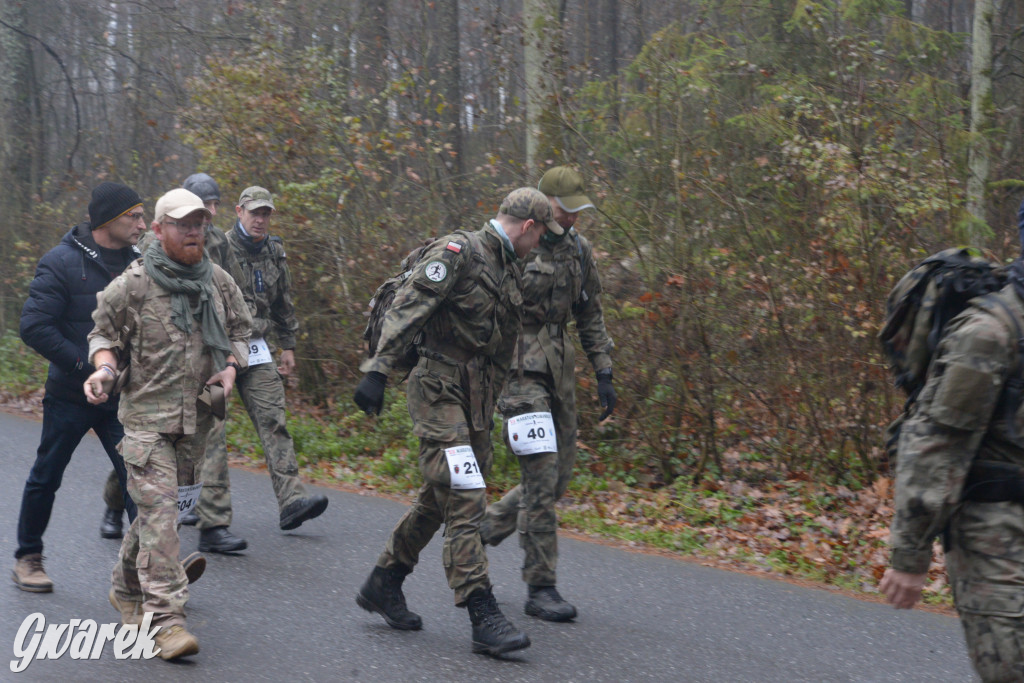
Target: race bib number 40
pixel 188 496
pixel 259 352
pixel 532 433
pixel 464 470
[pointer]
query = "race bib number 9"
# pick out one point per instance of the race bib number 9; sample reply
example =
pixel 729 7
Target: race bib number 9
pixel 188 496
pixel 259 352
pixel 464 470
pixel 532 433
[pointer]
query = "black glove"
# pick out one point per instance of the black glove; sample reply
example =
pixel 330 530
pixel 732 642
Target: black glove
pixel 370 392
pixel 605 392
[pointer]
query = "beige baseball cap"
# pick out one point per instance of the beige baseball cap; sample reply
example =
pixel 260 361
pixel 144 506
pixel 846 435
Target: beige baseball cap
pixel 179 203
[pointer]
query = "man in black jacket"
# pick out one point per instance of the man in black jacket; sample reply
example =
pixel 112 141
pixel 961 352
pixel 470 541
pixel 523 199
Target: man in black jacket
pixel 55 322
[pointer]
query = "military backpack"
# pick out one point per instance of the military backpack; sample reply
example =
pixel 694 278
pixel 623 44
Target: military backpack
pixel 382 299
pixel 923 302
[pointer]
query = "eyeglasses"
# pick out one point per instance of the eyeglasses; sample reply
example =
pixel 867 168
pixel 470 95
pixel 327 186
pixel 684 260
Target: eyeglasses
pixel 184 228
pixel 137 216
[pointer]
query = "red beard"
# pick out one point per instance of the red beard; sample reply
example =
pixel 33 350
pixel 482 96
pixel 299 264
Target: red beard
pixel 186 255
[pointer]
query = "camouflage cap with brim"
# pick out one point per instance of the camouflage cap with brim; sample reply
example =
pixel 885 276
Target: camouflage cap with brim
pixel 566 186
pixel 255 197
pixel 527 203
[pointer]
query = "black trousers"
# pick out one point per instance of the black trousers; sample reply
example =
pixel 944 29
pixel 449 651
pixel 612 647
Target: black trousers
pixel 64 425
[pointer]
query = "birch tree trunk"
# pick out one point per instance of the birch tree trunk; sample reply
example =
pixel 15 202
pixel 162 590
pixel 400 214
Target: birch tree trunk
pixel 981 117
pixel 540 26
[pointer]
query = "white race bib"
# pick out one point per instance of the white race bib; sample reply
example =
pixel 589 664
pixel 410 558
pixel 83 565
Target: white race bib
pixel 188 496
pixel 464 469
pixel 259 352
pixel 532 433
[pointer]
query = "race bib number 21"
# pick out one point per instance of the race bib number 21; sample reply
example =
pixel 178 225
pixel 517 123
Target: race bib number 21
pixel 463 467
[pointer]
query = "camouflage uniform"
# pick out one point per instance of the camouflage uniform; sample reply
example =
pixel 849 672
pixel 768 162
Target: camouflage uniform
pixel 220 253
pixel 961 419
pixel 464 296
pixel 557 288
pixel 165 428
pixel 266 282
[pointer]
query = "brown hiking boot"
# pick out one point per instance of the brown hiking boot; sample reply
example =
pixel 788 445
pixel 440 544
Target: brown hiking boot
pixel 28 573
pixel 131 612
pixel 175 641
pixel 194 565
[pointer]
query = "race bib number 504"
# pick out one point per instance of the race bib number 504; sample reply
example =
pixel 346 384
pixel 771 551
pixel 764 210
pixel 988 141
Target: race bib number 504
pixel 532 433
pixel 464 470
pixel 188 496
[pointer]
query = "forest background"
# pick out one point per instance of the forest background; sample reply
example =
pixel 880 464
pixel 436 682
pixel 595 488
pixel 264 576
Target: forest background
pixel 764 170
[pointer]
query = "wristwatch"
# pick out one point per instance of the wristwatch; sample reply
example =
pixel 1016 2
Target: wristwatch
pixel 236 366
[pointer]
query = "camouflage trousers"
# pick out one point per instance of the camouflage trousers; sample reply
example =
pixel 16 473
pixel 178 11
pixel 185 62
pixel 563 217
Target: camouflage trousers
pixel 112 492
pixel 529 508
pixel 147 568
pixel 439 413
pixel 262 391
pixel 986 569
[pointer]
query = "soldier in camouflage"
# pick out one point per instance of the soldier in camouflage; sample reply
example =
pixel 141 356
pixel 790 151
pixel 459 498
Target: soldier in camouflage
pixel 560 284
pixel 176 324
pixel 206 188
pixel 461 309
pixel 264 278
pixel 960 474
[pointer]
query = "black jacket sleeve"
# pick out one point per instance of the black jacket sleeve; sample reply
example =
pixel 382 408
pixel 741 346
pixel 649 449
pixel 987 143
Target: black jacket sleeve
pixel 48 300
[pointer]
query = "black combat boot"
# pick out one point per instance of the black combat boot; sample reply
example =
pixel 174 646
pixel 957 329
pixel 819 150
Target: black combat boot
pixel 493 634
pixel 546 603
pixel 111 525
pixel 382 593
pixel 190 518
pixel 219 540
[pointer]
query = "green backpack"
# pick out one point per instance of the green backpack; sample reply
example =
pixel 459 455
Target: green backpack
pixel 923 302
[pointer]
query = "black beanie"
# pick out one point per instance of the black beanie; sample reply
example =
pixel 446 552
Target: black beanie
pixel 109 201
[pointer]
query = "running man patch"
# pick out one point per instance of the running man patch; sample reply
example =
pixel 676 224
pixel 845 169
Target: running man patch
pixel 436 271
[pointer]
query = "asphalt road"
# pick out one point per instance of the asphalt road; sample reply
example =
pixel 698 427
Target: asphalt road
pixel 285 611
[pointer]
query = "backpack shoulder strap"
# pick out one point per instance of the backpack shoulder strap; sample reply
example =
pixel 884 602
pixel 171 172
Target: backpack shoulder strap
pixel 584 266
pixel 1010 314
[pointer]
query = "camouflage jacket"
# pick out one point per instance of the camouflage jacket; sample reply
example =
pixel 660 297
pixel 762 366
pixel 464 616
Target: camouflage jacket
pixel 463 303
pixel 266 280
pixel 958 417
pixel 168 368
pixel 561 283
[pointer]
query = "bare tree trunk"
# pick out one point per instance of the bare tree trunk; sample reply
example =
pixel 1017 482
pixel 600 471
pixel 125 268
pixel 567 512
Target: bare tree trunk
pixel 19 124
pixel 981 117
pixel 450 78
pixel 540 57
pixel 373 46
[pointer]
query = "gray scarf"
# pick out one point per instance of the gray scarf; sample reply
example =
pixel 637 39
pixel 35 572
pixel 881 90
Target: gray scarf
pixel 182 281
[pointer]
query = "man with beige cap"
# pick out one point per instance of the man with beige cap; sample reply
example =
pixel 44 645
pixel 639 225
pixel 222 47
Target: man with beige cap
pixel 178 326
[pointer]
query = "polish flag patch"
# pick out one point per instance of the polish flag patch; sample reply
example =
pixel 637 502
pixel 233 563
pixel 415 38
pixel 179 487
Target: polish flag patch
pixel 454 246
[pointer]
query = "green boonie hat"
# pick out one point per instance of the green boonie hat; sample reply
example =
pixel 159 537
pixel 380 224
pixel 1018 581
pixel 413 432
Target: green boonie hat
pixel 527 203
pixel 255 197
pixel 566 186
